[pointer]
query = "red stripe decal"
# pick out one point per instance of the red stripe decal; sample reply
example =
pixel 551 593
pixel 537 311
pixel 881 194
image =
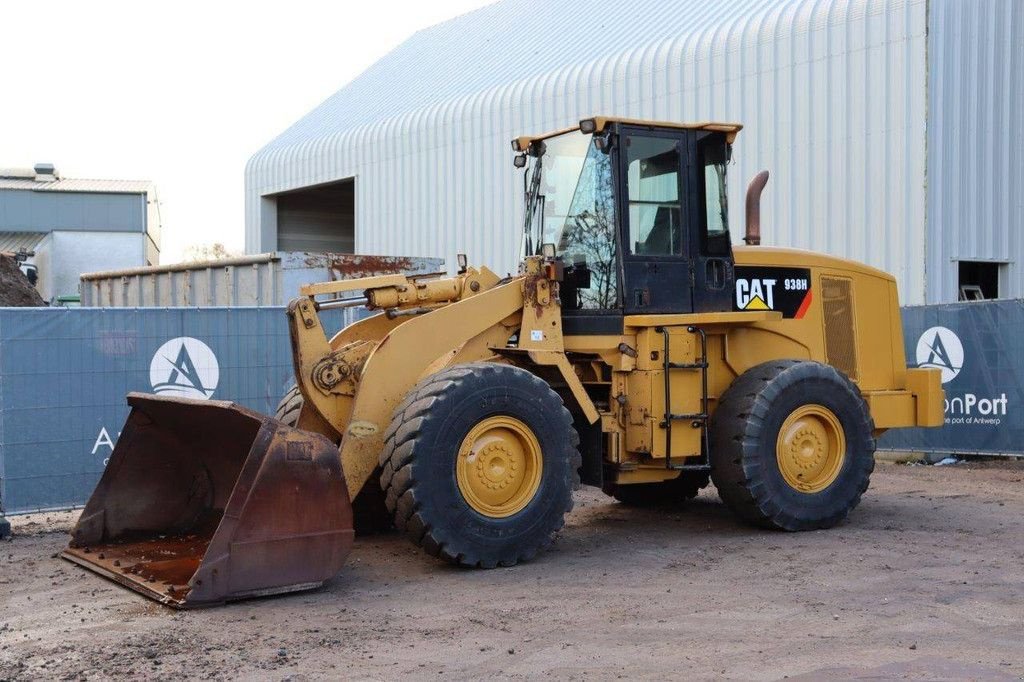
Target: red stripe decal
pixel 802 310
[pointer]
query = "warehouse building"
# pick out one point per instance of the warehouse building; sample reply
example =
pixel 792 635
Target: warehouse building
pixel 892 129
pixel 73 226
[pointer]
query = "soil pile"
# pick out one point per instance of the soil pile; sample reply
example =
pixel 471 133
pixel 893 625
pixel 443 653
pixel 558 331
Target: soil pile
pixel 15 289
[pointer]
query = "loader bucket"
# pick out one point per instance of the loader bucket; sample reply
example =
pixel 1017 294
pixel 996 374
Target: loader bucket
pixel 204 501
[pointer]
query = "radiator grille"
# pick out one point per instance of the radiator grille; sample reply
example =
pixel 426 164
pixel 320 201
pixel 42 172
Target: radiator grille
pixel 840 336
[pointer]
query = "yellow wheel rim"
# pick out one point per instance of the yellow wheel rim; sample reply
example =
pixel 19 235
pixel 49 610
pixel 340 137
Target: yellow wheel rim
pixel 499 466
pixel 811 448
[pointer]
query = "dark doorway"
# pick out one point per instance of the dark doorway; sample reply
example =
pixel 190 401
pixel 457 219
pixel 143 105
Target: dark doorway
pixel 978 280
pixel 320 218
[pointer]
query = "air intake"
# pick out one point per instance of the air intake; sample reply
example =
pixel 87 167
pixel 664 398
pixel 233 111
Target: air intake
pixel 840 334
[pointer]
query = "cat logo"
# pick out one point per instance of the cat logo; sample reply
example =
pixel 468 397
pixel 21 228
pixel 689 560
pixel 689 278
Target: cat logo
pixel 755 294
pixel 772 288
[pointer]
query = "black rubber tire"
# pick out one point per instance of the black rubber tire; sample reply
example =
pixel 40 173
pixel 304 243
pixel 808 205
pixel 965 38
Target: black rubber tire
pixel 744 430
pixel 419 458
pixel 682 489
pixel 289 407
pixel 369 515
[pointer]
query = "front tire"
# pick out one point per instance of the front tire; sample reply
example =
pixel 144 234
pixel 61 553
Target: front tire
pixel 792 446
pixel 479 464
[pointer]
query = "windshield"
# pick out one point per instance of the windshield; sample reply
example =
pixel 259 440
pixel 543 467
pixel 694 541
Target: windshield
pixel 570 204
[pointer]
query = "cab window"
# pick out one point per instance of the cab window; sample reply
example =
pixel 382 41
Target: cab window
pixel 712 157
pixel 652 181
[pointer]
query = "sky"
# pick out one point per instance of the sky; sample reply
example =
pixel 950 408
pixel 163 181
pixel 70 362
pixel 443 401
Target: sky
pixel 182 93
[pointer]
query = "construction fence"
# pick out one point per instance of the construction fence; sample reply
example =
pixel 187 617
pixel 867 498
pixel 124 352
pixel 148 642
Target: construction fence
pixel 977 346
pixel 64 374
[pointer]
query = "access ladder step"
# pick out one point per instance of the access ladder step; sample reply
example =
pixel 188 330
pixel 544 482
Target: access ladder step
pixel 699 420
pixel 697 415
pixel 690 467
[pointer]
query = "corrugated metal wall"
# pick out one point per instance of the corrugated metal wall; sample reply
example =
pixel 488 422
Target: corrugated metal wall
pixel 832 93
pixel 35 211
pixel 975 141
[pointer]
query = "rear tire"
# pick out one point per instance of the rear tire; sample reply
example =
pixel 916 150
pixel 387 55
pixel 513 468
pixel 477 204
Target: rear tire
pixel 676 491
pixel 792 446
pixel 479 464
pixel 369 515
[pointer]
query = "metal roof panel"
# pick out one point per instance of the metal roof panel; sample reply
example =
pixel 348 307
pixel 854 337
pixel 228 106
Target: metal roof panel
pixel 78 185
pixel 16 241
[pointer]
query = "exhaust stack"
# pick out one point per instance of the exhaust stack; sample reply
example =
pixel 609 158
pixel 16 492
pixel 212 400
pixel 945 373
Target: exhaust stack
pixel 753 236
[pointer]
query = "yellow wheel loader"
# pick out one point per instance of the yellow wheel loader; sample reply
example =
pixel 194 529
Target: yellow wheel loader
pixel 636 349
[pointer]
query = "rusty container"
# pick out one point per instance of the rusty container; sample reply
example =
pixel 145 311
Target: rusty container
pixel 205 501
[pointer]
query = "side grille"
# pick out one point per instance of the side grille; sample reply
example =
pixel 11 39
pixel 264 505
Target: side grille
pixel 840 335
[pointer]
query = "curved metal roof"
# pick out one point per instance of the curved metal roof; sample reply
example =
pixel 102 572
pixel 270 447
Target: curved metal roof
pixel 820 84
pixel 501 52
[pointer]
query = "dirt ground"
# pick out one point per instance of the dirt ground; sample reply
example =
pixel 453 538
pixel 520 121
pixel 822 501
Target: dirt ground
pixel 924 581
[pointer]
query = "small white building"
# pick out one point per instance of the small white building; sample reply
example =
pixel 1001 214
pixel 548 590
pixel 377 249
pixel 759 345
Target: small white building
pixel 74 226
pixel 893 129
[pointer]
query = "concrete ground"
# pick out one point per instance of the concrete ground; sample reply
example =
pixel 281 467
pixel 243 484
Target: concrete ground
pixel 924 581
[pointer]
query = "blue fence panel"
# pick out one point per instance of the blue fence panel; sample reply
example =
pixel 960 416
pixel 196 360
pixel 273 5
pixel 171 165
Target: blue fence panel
pixel 977 346
pixel 64 373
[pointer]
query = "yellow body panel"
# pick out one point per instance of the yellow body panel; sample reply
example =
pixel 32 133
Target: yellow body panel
pixel 840 312
pixel 705 319
pixel 738 341
pixel 386 355
pixel 614 379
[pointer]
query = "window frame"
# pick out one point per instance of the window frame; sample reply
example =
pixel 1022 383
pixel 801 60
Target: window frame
pixel 622 185
pixel 700 203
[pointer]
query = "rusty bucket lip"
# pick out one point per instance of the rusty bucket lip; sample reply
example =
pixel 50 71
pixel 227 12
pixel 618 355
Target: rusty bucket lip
pixel 138 398
pixel 77 556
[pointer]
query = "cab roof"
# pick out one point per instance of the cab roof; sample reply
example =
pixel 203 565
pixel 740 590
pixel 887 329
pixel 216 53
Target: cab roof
pixel 597 124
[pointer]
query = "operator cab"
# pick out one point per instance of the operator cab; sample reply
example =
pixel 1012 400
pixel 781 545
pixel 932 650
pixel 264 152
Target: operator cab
pixel 637 212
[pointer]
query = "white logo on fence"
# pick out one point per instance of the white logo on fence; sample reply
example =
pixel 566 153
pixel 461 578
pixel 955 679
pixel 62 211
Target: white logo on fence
pixel 184 367
pixel 940 348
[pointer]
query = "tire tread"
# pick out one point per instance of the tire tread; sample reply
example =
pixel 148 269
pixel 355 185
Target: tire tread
pixel 399 451
pixel 736 427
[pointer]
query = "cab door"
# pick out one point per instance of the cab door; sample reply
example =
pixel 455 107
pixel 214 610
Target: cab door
pixel 654 221
pixel 710 247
